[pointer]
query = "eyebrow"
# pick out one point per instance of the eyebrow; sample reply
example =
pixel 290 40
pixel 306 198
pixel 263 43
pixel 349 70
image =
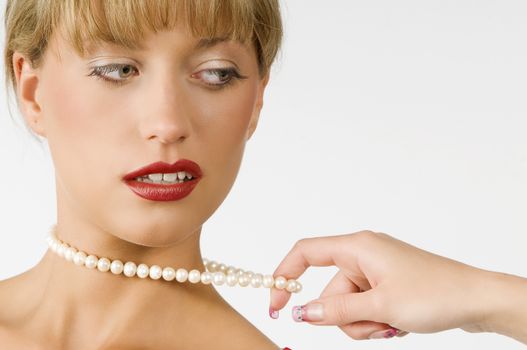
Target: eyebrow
pixel 203 43
pixel 207 43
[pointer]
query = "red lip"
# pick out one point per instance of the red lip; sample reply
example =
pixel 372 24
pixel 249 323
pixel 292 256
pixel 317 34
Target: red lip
pixel 162 167
pixel 164 192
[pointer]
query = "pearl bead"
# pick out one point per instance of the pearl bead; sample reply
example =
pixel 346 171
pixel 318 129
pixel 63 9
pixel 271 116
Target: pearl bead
pixel 79 258
pixel 129 269
pixel 194 276
pixel 280 282
pixel 103 264
pixel 222 268
pixel 155 272
pixel 181 275
pixel 213 265
pixel 91 261
pixel 243 280
pixel 216 273
pixel 218 278
pixel 291 285
pixel 142 270
pixel 169 273
pixel 268 281
pixel 70 252
pixel 298 287
pixel 232 279
pixel 62 248
pixel 116 267
pixel 206 277
pixel 256 280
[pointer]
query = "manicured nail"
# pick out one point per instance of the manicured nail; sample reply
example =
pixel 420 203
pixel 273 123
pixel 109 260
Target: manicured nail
pixel 384 334
pixel 273 313
pixel 309 312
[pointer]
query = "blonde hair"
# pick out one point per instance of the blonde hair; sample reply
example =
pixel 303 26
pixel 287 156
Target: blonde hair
pixel 30 23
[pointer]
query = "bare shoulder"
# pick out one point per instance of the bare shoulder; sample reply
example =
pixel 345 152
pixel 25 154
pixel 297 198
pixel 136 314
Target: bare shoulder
pixel 234 326
pixel 11 339
pixel 7 293
pixel 11 310
pixel 10 336
pixel 13 292
pixel 6 314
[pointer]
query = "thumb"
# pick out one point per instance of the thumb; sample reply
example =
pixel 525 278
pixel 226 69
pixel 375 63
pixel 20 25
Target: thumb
pixel 339 309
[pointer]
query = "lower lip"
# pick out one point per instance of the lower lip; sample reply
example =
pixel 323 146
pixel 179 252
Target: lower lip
pixel 159 192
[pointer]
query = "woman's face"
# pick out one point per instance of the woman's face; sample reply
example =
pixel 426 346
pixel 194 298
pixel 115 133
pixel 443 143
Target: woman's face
pixel 163 103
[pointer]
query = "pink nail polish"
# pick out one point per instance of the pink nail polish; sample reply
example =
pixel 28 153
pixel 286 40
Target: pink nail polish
pixel 390 333
pixel 273 313
pixel 310 312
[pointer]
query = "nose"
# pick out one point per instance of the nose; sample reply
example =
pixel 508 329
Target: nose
pixel 167 119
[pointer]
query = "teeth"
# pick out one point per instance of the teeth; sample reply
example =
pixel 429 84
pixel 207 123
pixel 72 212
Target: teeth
pixel 155 177
pixel 168 178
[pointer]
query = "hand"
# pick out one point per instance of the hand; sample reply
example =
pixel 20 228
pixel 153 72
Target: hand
pixel 384 283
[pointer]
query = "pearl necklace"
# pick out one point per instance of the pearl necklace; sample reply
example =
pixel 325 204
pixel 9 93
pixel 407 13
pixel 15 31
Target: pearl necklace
pixel 217 273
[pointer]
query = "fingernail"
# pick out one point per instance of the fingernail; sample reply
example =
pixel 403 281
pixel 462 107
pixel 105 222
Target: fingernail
pixel 309 312
pixel 384 334
pixel 273 313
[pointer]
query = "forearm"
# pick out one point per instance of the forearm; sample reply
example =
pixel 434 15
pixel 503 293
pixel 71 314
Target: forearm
pixel 506 312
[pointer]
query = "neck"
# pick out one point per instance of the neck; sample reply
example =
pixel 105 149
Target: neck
pixel 81 303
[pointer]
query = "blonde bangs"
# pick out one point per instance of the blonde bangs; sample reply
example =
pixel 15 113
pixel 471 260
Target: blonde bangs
pixel 31 23
pixel 125 22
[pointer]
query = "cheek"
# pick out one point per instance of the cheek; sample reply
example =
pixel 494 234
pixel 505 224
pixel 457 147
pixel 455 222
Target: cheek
pixel 226 119
pixel 77 111
pixel 79 129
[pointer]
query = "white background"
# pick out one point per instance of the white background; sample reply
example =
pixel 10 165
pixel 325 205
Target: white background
pixel 406 117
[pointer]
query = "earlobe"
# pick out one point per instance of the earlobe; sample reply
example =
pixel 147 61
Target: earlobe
pixel 258 107
pixel 253 123
pixel 27 88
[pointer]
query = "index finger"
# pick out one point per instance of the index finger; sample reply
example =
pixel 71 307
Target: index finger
pixel 313 251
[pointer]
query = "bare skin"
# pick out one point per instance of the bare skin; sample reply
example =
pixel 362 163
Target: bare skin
pixel 30 321
pixel 384 282
pixel 97 133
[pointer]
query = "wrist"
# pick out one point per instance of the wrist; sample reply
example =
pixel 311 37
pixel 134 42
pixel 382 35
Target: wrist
pixel 503 305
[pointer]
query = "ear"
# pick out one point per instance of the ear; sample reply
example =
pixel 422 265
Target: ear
pixel 258 107
pixel 27 80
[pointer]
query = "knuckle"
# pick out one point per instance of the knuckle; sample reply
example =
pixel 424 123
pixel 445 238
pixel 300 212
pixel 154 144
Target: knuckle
pixel 368 234
pixel 365 236
pixel 379 305
pixel 341 309
pixel 300 243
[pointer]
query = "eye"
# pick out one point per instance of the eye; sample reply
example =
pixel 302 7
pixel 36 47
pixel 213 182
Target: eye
pixel 220 77
pixel 123 72
pixel 217 78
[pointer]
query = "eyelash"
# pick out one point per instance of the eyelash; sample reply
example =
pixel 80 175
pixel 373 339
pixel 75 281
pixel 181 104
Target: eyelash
pixel 99 72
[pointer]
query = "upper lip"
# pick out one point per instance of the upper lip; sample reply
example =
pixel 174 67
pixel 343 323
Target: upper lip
pixel 163 167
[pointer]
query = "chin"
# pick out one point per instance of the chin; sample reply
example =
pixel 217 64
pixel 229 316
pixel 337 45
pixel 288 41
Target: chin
pixel 150 235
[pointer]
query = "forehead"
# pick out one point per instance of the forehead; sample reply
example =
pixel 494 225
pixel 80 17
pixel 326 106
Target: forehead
pixel 193 44
pixel 176 44
pixel 131 25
